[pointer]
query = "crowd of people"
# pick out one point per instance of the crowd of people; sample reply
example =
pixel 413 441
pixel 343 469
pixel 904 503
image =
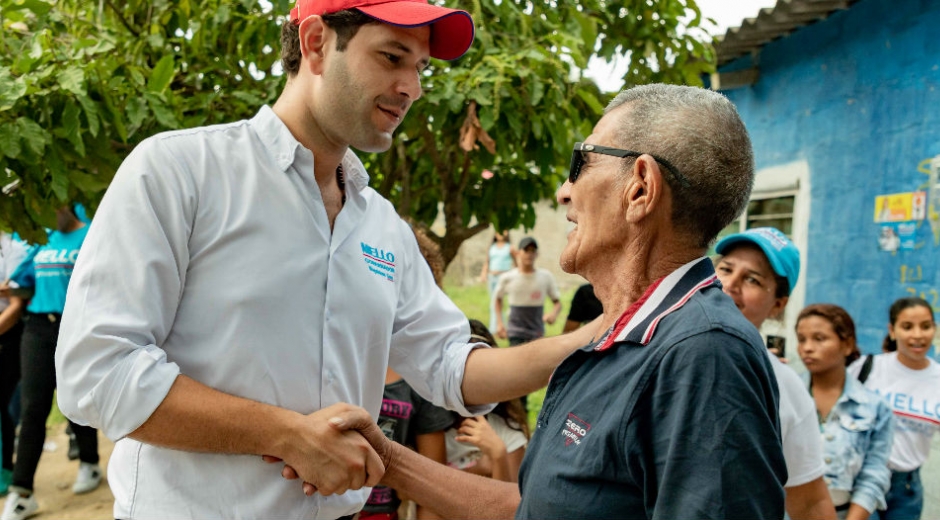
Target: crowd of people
pixel 263 336
pixel 33 293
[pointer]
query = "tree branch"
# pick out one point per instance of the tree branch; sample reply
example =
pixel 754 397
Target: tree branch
pixel 121 18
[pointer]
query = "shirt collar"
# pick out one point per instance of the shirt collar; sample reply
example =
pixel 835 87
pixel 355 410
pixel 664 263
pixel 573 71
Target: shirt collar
pixel 638 323
pixel 285 149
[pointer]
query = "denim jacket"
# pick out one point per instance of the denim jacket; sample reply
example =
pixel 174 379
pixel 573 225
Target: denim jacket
pixel 857 437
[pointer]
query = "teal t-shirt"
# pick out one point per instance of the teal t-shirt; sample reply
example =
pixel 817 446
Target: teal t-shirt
pixel 49 270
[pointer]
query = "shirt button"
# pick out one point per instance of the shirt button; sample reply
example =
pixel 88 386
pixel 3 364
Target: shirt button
pixel 828 460
pixel 830 437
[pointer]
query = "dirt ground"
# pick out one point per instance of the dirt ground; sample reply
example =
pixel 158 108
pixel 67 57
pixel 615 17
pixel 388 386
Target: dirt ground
pixel 54 479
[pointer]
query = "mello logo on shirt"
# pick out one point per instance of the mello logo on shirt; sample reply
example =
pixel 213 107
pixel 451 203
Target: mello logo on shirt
pixel 920 415
pixel 55 262
pixel 380 262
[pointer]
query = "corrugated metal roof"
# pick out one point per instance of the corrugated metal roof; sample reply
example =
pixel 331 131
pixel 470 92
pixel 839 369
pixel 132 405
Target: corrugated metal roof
pixel 772 23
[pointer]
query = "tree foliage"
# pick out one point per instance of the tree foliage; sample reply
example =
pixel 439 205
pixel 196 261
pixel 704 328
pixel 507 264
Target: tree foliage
pixel 82 82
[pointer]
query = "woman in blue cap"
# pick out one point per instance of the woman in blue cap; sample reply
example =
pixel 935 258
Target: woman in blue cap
pixel 758 269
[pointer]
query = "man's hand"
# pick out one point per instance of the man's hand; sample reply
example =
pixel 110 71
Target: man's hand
pixel 549 318
pixel 332 460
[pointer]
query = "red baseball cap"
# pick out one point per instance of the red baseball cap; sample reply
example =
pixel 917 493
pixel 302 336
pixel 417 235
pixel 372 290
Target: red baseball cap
pixel 451 29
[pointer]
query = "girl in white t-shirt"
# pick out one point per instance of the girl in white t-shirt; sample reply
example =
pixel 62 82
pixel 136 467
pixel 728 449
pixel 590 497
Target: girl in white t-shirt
pixel 910 383
pixel 491 445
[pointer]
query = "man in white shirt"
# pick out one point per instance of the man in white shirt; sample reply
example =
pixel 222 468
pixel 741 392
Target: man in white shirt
pixel 242 281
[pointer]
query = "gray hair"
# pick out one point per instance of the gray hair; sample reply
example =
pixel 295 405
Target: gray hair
pixel 700 133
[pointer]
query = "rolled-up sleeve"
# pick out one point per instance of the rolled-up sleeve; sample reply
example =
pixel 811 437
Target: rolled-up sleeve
pixel 874 479
pixel 123 295
pixel 429 337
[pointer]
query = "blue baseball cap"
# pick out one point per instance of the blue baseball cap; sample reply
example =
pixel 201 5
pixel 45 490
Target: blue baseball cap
pixel 783 256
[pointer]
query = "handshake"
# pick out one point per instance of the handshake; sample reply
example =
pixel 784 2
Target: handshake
pixel 337 449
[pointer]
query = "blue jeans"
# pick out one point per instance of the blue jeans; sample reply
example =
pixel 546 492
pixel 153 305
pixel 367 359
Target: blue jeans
pixel 905 497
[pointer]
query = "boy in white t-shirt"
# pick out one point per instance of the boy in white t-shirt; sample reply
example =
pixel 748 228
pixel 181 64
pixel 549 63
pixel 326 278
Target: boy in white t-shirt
pixel 526 288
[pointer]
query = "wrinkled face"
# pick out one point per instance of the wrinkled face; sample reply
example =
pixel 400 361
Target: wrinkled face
pixel 820 348
pixel 746 276
pixel 913 331
pixel 595 202
pixel 369 87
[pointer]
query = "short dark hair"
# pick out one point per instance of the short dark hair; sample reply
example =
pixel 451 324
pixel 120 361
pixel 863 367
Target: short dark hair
pixel 841 322
pixel 700 132
pixel 346 23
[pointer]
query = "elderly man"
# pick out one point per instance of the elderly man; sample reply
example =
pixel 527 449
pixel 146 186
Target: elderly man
pixel 671 412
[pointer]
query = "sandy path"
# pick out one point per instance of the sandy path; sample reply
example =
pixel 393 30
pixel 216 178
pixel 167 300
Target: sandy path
pixel 54 479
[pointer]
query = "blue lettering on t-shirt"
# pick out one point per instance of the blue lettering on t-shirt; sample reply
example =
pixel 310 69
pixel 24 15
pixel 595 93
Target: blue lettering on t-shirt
pixel 898 403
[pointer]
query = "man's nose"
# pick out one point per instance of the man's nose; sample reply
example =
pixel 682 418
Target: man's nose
pixel 410 86
pixel 563 195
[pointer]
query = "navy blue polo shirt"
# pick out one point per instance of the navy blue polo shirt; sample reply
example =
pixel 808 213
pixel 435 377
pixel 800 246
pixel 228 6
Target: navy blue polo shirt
pixel 672 415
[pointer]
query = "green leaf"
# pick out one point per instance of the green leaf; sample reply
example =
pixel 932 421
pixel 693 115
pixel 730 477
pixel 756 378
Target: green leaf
pixel 38 7
pixel 35 137
pixel 91 114
pixel 59 173
pixel 71 126
pixel 538 90
pixel 162 75
pixel 163 114
pixel 136 113
pixel 11 89
pixel 248 97
pixel 591 101
pixel 71 79
pixel 10 144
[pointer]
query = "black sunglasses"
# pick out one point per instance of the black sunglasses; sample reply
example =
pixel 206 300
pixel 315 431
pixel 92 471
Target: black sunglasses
pixel 577 161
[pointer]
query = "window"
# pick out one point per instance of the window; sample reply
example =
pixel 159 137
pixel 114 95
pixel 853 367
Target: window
pixel 774 210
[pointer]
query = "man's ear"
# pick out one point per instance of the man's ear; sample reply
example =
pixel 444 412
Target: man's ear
pixel 644 189
pixel 313 39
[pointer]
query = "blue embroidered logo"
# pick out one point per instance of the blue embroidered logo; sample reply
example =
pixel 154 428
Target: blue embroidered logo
pixel 379 261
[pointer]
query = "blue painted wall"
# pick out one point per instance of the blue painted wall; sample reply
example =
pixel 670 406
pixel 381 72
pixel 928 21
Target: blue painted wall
pixel 857 96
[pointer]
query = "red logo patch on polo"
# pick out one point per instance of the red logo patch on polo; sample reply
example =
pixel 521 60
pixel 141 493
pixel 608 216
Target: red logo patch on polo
pixel 575 429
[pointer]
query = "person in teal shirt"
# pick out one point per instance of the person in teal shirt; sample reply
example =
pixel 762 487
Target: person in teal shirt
pixel 46 269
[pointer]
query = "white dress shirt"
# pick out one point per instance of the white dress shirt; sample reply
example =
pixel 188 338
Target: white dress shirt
pixel 211 255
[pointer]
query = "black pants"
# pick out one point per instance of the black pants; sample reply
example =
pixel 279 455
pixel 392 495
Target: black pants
pixel 9 377
pixel 37 366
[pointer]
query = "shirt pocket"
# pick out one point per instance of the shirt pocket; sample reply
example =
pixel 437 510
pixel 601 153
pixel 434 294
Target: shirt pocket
pixel 857 425
pixel 858 419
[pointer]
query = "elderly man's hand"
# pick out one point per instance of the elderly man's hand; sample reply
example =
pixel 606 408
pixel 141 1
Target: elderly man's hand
pixel 332 460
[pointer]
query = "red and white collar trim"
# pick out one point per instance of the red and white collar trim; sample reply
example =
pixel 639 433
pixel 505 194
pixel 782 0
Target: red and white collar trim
pixel 638 323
